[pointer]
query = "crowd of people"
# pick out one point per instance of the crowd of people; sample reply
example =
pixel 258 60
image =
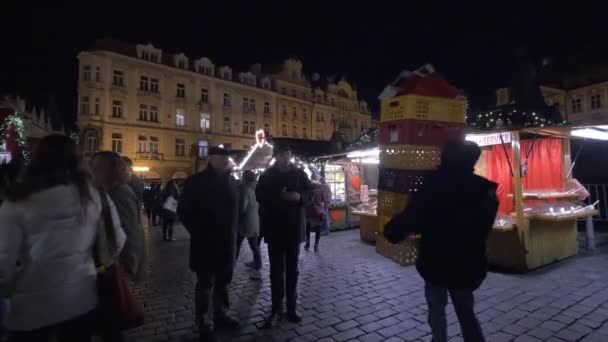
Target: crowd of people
pixel 69 228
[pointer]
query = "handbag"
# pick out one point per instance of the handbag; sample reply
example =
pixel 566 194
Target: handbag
pixel 117 308
pixel 170 204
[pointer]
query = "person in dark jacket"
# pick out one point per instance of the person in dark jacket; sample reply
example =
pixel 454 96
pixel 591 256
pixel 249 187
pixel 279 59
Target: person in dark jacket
pixel 454 213
pixel 283 190
pixel 208 208
pixel 171 190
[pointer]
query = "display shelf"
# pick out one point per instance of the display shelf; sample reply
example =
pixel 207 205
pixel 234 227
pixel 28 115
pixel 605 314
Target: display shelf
pixel 547 195
pixel 563 217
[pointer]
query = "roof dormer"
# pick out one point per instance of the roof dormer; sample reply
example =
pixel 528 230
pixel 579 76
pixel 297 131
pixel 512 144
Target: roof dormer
pixel 204 66
pixel 225 72
pixel 266 83
pixel 181 61
pixel 247 78
pixel 149 53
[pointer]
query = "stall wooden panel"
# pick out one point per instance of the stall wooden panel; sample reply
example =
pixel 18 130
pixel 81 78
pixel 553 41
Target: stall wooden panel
pixel 551 241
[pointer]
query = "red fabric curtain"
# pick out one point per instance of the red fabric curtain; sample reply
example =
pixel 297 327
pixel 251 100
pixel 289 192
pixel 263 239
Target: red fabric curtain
pixel 544 169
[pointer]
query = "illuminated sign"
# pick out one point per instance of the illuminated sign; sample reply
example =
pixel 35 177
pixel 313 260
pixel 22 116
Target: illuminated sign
pixel 489 139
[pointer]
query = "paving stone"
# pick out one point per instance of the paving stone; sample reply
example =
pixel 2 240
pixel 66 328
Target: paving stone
pixel 348 335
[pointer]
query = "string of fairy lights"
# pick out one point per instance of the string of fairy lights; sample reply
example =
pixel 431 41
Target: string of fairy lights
pixel 15 122
pixel 500 118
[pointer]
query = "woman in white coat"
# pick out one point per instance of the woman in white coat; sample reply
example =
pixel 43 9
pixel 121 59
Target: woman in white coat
pixel 48 226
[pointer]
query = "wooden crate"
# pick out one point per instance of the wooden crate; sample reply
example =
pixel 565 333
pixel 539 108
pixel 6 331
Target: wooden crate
pixel 410 157
pixel 418 132
pixel 368 228
pixel 391 203
pixel 423 108
pixel 403 253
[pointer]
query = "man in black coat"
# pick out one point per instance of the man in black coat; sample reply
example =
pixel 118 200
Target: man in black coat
pixel 454 213
pixel 283 191
pixel 208 208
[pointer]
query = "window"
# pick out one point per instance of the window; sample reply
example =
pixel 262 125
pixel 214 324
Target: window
pixel 284 110
pixel 226 75
pixel 117 109
pixel 153 113
pixel 246 107
pixel 252 105
pixel 142 143
pixel 118 78
pixel 180 147
pixel 304 133
pixel 91 143
pixel 245 127
pixel 97 74
pixel 204 95
pixel 596 101
pixel 143 112
pixel 304 116
pixel 180 117
pixel 86 73
pixel 227 145
pixel 318 117
pixel 203 149
pixel 576 105
pixel 143 83
pixel 284 130
pixel 117 142
pixel 84 105
pixel 226 127
pixel 96 106
pixel 333 102
pixel 248 127
pixel 154 145
pixel 245 147
pixel 294 93
pixel 283 90
pixel 227 102
pixel 205 122
pixel 266 129
pixel 295 113
pixel 154 85
pixel 181 90
pixel 181 64
pixel 294 131
pixel 266 108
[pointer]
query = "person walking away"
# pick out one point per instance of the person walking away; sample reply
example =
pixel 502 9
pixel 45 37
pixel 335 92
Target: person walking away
pixel 315 211
pixel 149 198
pixel 326 219
pixel 454 213
pixel 249 221
pixel 134 182
pixel 208 208
pixel 283 192
pixel 110 173
pixel 48 225
pixel 168 198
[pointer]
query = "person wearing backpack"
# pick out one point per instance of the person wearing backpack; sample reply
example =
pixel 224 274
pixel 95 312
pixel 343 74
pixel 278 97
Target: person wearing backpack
pixel 315 211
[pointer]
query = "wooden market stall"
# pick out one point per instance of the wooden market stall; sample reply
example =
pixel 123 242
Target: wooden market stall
pixel 540 203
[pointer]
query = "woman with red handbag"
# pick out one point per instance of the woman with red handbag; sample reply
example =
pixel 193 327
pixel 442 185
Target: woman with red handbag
pixel 118 309
pixel 48 228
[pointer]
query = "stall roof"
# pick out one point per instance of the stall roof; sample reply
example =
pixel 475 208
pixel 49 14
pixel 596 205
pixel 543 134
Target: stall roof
pixel 564 132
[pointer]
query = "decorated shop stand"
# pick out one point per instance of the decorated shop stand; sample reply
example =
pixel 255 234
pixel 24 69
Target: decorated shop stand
pixel 540 202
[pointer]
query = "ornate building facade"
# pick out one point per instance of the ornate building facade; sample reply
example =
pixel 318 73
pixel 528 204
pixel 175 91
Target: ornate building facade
pixel 164 110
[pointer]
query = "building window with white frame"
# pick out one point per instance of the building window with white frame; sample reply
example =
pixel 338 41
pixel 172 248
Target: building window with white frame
pixel 180 147
pixel 181 90
pixel 154 145
pixel 294 131
pixel 118 78
pixel 596 101
pixel 284 130
pixel 245 127
pixel 96 106
pixel 154 85
pixel 97 74
pixel 180 117
pixel 143 83
pixel 226 126
pixel 203 149
pixel 252 105
pixel 206 122
pixel 304 133
pixel 227 100
pixel 86 73
pixel 266 107
pixel 204 95
pixel 154 113
pixel 84 105
pixel 117 142
pixel 143 112
pixel 246 107
pixel 142 144
pixel 117 109
pixel 295 113
pixel 181 64
pixel 284 110
pixel 577 106
pixel 267 129
pixel 91 144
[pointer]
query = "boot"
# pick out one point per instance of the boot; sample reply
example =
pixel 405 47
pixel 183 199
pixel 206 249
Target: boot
pixel 273 320
pixel 225 321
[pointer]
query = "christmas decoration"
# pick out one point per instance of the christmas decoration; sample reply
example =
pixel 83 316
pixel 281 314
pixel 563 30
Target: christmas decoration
pixel 511 117
pixel 15 121
pixel 369 138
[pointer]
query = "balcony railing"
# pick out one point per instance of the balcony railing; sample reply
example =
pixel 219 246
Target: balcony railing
pixel 149 155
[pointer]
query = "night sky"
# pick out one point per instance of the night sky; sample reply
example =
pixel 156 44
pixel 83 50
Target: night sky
pixel 369 42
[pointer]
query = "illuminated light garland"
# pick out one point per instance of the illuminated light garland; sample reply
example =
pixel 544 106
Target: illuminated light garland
pixel 506 118
pixel 15 121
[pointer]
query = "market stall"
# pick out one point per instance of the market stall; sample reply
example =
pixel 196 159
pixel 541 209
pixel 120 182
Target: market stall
pixel 353 180
pixel 540 202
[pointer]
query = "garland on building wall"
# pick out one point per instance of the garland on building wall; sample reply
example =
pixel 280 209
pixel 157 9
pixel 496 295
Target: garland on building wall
pixel 512 117
pixel 15 121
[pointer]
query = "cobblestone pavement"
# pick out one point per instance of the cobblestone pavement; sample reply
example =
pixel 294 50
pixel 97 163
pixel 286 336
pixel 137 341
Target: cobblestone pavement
pixel 350 293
